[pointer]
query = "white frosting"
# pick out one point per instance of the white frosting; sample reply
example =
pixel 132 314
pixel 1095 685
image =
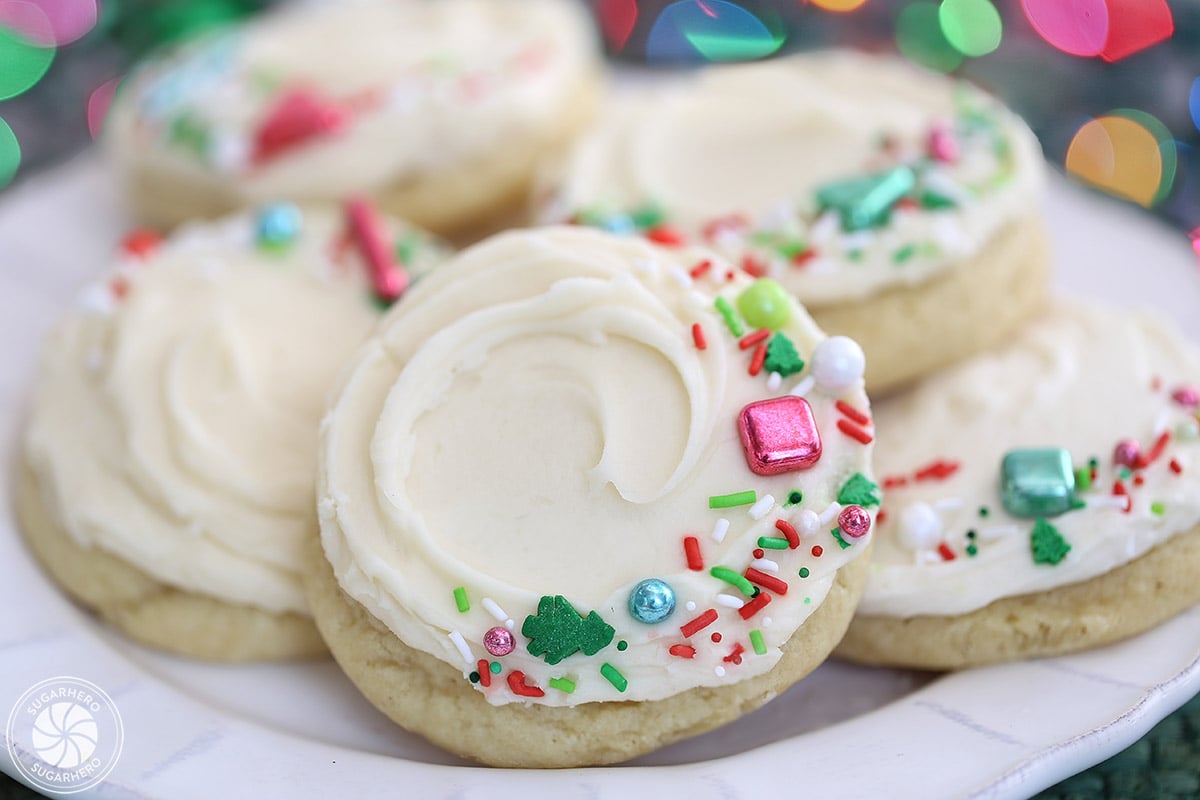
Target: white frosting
pixel 426 83
pixel 539 422
pixel 1080 379
pixel 758 141
pixel 175 421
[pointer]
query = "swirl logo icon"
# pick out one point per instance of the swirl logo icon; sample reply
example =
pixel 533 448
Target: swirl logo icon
pixel 65 735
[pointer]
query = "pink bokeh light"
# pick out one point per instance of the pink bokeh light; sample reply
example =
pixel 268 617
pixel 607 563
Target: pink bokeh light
pixel 49 23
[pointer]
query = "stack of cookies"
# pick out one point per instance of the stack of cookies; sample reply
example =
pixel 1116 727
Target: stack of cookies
pixel 608 476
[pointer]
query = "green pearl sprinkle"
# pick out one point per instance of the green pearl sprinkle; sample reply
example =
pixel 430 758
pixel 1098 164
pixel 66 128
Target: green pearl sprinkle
pixel 804 573
pixel 765 304
pixel 495 667
pixel 622 645
pixel 1158 509
pixel 473 677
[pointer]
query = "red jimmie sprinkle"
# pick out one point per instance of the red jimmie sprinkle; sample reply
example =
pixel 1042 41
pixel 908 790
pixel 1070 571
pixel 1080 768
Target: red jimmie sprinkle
pixel 516 682
pixel 715 227
pixel 895 481
pixel 665 235
pixel 789 533
pixel 938 471
pixel 759 358
pixel 682 651
pixel 388 278
pixel 1160 444
pixel 735 655
pixel 691 549
pixel 140 242
pixel 119 287
pixel 698 337
pixel 690 629
pixel 852 412
pixel 296 118
pixel 802 258
pixel 854 432
pixel 881 516
pixel 753 267
pixel 766 581
pixel 1176 467
pixel 701 268
pixel 485 674
pixel 752 339
pixel 945 552
pixel 754 605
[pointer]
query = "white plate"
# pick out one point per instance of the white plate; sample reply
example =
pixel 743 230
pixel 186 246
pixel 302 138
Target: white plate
pixel 301 731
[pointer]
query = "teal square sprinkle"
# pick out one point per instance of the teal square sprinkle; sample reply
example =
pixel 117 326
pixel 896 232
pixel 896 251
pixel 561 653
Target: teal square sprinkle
pixel 1037 483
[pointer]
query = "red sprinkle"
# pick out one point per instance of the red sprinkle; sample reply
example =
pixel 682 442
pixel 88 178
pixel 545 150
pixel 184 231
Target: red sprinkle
pixel 758 552
pixel 296 118
pixel 1138 480
pixel 1146 459
pixel 1176 467
pixel 853 431
pixel 140 242
pixel 800 259
pixel 698 337
pixel 119 287
pixel 945 552
pixel 906 204
pixel 938 470
pixel 701 268
pixel 754 605
pixel 759 358
pixel 894 481
pixel 665 235
pixel 729 275
pixel 690 629
pixel 766 581
pixel 789 532
pixel 735 655
pixel 516 682
pixel 388 278
pixel 881 516
pixel 485 674
pixel 751 339
pixel 817 550
pixel 682 651
pixel 716 637
pixel 852 412
pixel 753 267
pixel 691 549
pixel 1119 489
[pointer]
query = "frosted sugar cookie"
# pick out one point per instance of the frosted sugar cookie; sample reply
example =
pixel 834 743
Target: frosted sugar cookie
pixel 1041 499
pixel 169 457
pixel 440 109
pixel 583 496
pixel 899 206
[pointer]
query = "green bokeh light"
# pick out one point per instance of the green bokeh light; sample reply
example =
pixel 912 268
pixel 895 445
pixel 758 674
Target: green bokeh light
pixel 973 27
pixel 920 38
pixel 10 154
pixel 1166 148
pixel 22 64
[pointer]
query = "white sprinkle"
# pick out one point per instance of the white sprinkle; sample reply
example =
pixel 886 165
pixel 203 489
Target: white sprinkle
pixel 998 531
pixel 765 564
pixel 948 504
pixel 774 381
pixel 508 623
pixel 720 529
pixel 1161 423
pixel 461 644
pixel 825 228
pixel 720 671
pixel 493 608
pixel 730 601
pixel 1107 502
pixel 681 277
pixel 766 622
pixel 831 511
pixel 807 523
pixel 690 605
pixel 939 181
pixel 803 387
pixel 762 507
pixel 698 299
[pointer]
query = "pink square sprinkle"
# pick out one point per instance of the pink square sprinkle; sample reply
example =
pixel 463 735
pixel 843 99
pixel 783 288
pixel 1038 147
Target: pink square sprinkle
pixel 779 435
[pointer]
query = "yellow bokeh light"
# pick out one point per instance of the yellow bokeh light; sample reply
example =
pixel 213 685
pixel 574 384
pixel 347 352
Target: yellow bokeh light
pixel 839 5
pixel 1120 156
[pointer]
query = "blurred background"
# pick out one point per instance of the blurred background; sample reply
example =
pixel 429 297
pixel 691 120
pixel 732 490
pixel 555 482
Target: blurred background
pixel 1112 87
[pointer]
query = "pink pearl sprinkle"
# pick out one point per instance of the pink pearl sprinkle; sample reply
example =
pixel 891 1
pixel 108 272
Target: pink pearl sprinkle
pixel 1127 453
pixel 498 641
pixel 1187 396
pixel 854 521
pixel 943 146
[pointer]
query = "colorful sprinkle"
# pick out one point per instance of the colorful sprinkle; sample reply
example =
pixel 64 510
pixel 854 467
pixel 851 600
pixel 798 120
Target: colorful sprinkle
pixel 720 529
pixel 482 674
pixel 1158 509
pixel 853 413
pixel 521 687
pixel 691 551
pixel 460 644
pixel 277 225
pixel 779 435
pixel 758 359
pixel 1127 453
pixel 734 579
pixel 565 685
pixel 1037 483
pixel 859 491
pixel 838 363
pixel 698 337
pixel 752 339
pixel 498 641
pixel 765 304
pixel 804 572
pixel 388 278
pixel 756 642
pixel 558 630
pixel 614 676
pixel 733 500
pixel 460 599
pixel 651 601
pixel 762 507
pixel 866 202
pixel 773 543
pixel 789 532
pixel 1047 544
pixel 854 432
pixel 682 651
pixel 769 582
pixel 854 521
pixel 755 605
pixel 297 118
pixel 945 552
pixel 691 628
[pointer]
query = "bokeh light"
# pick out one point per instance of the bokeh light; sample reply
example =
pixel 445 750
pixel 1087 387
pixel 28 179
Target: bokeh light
pixel 617 21
pixel 99 101
pixel 1136 25
pixel 1194 103
pixel 49 23
pixel 973 27
pixel 840 6
pixel 22 61
pixel 1127 153
pixel 1111 29
pixel 10 154
pixel 920 38
pixel 714 30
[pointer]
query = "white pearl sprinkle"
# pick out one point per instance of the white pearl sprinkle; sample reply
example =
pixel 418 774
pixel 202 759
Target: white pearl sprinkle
pixel 807 523
pixel 720 672
pixel 690 605
pixel 838 363
pixel 920 527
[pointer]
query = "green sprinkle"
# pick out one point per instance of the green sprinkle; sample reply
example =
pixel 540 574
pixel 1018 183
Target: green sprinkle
pixel 731 500
pixel 734 578
pixel 904 253
pixel 972 550
pixel 765 304
pixel 562 684
pixel 495 667
pixel 933 201
pixel 782 356
pixel 795 498
pixel 1077 504
pixel 1125 473
pixel 772 543
pixel 859 491
pixel 406 248
pixel 837 535
pixel 614 676
pixel 474 677
pixel 807 600
pixel 730 316
pixel 984 511
pixel 622 645
pixel 647 216
pixel 1047 544
pixel 856 255
pixel 460 600
pixel 1157 509
pixel 557 630
pixel 756 641
pixel 971 534
pixel 792 249
pixel 1083 479
pixel 1093 462
pixel 804 573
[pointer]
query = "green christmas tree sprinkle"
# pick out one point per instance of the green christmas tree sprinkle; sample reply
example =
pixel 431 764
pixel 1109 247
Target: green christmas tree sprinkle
pixel 782 356
pixel 1047 544
pixel 859 491
pixel 557 630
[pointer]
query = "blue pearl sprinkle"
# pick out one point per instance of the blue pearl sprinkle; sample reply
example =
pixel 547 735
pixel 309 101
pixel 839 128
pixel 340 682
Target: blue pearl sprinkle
pixel 651 601
pixel 278 224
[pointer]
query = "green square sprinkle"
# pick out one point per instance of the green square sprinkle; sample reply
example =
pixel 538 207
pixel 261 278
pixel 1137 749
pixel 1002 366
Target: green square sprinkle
pixel 756 641
pixel 562 684
pixel 1037 483
pixel 613 676
pixel 460 600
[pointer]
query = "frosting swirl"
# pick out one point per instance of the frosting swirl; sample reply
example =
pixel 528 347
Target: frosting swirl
pixel 538 427
pixel 1082 379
